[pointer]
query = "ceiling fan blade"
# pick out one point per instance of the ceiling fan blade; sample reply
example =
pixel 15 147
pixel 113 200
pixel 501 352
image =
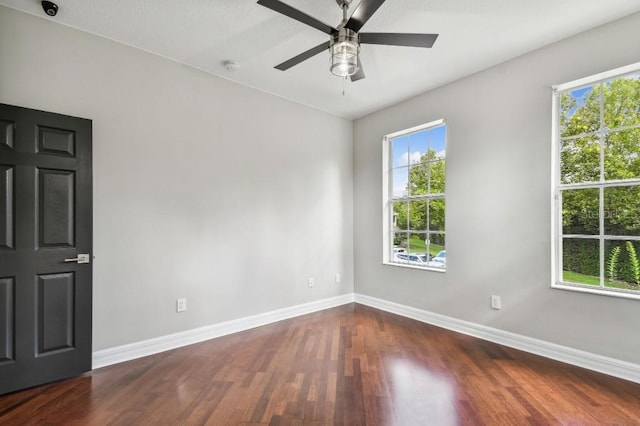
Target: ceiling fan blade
pixel 363 12
pixel 398 39
pixel 303 56
pixel 292 13
pixel 359 75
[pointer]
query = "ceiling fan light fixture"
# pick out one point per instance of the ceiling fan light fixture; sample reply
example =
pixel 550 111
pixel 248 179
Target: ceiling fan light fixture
pixel 345 52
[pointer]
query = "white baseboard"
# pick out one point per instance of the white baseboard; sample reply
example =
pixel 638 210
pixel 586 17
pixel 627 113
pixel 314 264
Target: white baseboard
pixel 613 367
pixel 135 350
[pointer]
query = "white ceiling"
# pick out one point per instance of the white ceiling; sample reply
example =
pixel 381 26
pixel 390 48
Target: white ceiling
pixel 474 35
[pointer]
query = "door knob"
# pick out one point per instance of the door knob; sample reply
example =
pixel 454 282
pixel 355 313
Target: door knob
pixel 82 258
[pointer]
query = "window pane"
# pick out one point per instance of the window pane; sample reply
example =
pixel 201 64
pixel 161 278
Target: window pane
pixel 580 111
pixel 399 249
pixel 400 221
pixel 418 215
pixel 436 249
pixel 437 142
pixel 436 214
pixel 580 212
pixel 418 146
pixel 621 102
pixel 400 151
pixel 622 210
pixel 621 155
pixel 399 181
pixel 580 160
pixel 622 265
pixel 437 175
pixel 436 242
pixel 417 242
pixel 399 240
pixel 581 261
pixel 419 179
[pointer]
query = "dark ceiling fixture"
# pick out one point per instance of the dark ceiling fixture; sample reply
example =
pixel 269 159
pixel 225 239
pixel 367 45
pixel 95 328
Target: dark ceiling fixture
pixel 50 8
pixel 345 39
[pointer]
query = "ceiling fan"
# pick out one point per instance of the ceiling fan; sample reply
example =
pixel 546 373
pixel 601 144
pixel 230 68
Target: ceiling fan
pixel 345 39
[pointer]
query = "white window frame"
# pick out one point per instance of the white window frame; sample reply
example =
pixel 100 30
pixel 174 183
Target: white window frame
pixel 556 186
pixel 387 191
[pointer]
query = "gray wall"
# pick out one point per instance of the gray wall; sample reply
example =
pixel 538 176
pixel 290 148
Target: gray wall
pixel 203 188
pixel 230 197
pixel 498 200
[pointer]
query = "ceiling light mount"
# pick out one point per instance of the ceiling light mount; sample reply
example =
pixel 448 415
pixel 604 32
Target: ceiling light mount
pixel 344 5
pixel 231 66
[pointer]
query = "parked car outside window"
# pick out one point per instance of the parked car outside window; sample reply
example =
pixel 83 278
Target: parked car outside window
pixel 439 260
pixel 397 251
pixel 413 258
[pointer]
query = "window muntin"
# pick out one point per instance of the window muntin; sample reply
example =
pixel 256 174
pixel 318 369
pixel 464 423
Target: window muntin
pixel 597 184
pixel 414 196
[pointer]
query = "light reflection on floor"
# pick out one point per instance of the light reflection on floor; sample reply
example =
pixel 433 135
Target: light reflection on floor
pixel 419 394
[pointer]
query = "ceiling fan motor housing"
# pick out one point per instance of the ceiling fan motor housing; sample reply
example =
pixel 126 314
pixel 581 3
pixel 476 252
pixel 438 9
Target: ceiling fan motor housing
pixel 345 50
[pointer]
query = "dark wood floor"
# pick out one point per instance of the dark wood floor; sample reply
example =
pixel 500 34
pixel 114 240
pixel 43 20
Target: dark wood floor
pixel 351 365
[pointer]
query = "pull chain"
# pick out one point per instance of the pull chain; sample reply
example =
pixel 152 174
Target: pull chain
pixel 344 80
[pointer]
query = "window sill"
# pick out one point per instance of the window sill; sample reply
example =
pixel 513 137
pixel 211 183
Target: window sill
pixel 584 289
pixel 420 268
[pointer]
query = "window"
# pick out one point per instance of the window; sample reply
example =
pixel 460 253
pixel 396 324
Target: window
pixel 596 244
pixel 414 197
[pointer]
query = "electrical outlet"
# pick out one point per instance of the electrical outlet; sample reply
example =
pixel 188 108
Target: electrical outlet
pixel 338 278
pixel 181 305
pixel 495 302
pixel 311 282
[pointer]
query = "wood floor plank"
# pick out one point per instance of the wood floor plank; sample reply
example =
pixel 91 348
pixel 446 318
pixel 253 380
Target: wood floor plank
pixel 351 365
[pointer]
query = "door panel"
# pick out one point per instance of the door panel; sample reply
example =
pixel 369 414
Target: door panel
pixel 7 329
pixel 45 218
pixel 6 133
pixel 56 141
pixel 54 304
pixel 6 207
pixel 56 195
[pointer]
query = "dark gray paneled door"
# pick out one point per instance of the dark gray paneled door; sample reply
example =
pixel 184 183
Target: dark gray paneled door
pixel 45 223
